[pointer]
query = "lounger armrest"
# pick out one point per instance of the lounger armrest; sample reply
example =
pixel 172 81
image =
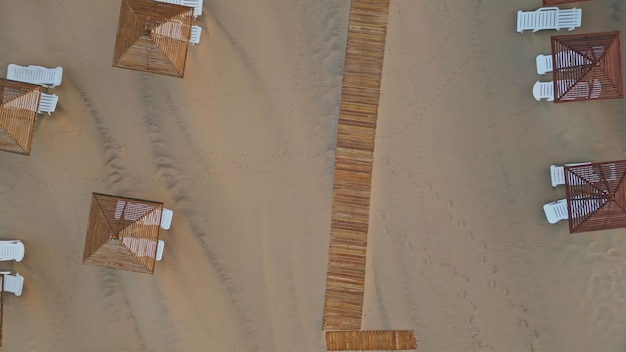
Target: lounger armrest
pixel 552 8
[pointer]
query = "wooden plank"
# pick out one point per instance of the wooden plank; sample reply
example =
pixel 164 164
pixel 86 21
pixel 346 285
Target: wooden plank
pixel 343 306
pixel 370 340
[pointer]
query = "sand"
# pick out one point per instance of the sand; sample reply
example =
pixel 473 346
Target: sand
pixel 242 150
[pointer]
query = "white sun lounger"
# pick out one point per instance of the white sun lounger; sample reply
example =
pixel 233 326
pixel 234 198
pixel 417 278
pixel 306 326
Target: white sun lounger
pixel 47 77
pixel 556 211
pixel 166 218
pixel 11 250
pixel 48 103
pixel 544 64
pixel 160 247
pixel 196 4
pixel 543 90
pixel 549 18
pixel 557 173
pixel 196 32
pixel 12 283
pixel 567 58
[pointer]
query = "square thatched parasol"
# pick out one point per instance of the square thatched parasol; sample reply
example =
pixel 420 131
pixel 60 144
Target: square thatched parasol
pixel 122 233
pixel 19 103
pixel 153 36
pixel 596 196
pixel 587 66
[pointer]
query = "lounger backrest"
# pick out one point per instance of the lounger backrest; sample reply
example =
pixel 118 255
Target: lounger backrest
pixel 196 4
pixel 166 218
pixel 560 209
pixel 160 247
pixel 556 211
pixel 48 76
pixel 569 18
pixel 12 250
pixel 13 284
pixel 48 103
pixel 557 174
pixel 543 90
pixel 544 64
pixel 196 31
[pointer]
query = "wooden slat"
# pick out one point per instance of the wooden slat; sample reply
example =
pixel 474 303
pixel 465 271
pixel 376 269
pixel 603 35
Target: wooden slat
pixel 354 154
pixel 370 340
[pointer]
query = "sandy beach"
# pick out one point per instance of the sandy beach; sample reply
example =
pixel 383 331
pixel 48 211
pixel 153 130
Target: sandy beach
pixel 242 150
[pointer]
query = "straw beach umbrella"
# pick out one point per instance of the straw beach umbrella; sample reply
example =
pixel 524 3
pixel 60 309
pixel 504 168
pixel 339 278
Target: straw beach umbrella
pixel 19 104
pixel 153 37
pixel 587 66
pixel 122 233
pixel 596 196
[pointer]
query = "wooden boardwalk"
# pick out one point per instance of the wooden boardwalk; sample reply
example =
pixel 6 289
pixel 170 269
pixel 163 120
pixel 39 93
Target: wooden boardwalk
pixel 370 340
pixel 354 157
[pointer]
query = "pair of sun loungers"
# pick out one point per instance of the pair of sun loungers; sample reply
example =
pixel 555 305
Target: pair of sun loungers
pixel 39 75
pixel 12 250
pixel 556 19
pixel 568 58
pixel 557 210
pixel 137 211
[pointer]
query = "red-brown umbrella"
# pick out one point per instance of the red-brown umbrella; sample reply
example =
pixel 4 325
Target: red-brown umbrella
pixel 587 66
pixel 596 196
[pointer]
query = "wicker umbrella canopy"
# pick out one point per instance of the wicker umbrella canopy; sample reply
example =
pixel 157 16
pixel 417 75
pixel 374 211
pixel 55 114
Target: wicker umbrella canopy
pixel 19 103
pixel 122 233
pixel 596 196
pixel 153 36
pixel 587 66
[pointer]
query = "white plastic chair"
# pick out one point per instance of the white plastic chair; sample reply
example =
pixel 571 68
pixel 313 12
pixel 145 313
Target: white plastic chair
pixel 556 211
pixel 12 283
pixel 557 173
pixel 196 4
pixel 160 247
pixel 48 103
pixel 11 250
pixel 196 32
pixel 47 77
pixel 543 90
pixel 549 18
pixel 166 218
